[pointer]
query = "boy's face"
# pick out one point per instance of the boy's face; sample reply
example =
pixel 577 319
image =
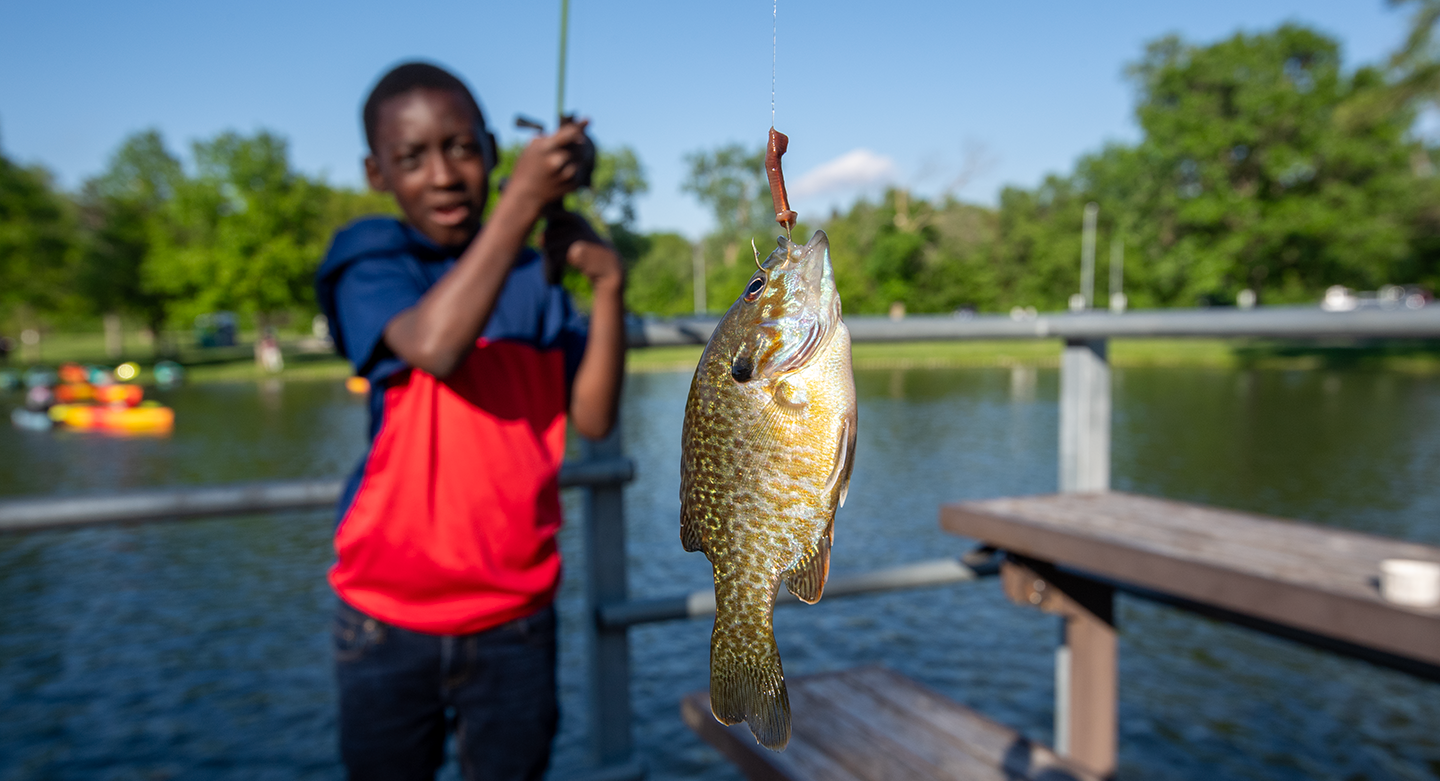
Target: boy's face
pixel 427 153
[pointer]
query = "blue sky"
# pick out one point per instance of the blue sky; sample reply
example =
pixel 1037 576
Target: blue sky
pixel 917 93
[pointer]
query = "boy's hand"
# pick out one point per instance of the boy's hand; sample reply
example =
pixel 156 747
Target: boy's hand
pixel 546 169
pixel 569 238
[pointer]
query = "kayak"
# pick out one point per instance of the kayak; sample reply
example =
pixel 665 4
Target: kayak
pixel 142 419
pixel 71 392
pixel 119 395
pixel 28 420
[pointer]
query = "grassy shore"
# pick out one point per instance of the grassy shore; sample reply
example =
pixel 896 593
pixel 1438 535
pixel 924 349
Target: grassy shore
pixel 304 362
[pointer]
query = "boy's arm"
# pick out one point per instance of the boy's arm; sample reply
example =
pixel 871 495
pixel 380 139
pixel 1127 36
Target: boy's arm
pixel 437 333
pixel 595 394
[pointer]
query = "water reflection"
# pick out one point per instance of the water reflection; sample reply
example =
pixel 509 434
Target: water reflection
pixel 1022 383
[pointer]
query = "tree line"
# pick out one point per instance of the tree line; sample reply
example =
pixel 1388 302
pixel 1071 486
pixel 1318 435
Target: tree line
pixel 1264 165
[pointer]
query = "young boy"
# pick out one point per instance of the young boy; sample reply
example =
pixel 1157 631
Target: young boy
pixel 446 560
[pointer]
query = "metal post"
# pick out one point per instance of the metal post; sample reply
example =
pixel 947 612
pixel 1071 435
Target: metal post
pixel 1085 416
pixel 1087 255
pixel 605 584
pixel 1117 275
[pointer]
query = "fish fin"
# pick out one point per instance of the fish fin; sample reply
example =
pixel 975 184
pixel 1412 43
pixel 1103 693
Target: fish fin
pixel 747 682
pixel 692 531
pixel 806 580
pixel 844 458
pixel 692 535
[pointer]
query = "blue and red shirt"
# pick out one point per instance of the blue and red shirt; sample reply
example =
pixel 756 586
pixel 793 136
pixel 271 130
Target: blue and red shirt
pixel 448 525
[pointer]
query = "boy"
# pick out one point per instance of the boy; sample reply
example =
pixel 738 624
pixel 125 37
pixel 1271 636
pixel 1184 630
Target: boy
pixel 446 560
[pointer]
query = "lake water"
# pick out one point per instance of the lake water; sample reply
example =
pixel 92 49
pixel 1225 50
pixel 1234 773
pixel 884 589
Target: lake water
pixel 200 649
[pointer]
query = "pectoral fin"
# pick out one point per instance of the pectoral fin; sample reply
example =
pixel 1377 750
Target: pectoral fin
pixel 844 458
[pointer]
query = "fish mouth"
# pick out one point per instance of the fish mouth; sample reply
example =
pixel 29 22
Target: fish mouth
pixel 810 305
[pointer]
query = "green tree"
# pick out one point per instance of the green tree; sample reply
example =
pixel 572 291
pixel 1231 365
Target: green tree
pixel 661 279
pixel 121 211
pixel 1248 176
pixel 609 204
pixel 37 242
pixel 246 233
pixel 731 181
pixel 618 180
pixel 930 257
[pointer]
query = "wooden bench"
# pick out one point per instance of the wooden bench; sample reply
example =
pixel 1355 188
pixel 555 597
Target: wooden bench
pixel 1314 579
pixel 1069 553
pixel 873 724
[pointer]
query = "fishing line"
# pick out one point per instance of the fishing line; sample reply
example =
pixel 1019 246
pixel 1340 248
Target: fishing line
pixel 774 39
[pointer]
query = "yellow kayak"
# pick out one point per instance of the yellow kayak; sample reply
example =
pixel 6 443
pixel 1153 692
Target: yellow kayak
pixel 142 419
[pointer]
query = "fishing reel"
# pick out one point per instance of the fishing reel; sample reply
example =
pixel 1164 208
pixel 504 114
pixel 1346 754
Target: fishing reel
pixel 582 151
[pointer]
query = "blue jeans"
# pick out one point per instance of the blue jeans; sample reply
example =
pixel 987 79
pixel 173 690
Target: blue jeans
pixel 400 691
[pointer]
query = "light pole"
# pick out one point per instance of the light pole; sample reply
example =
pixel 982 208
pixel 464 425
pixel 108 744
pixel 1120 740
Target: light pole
pixel 697 269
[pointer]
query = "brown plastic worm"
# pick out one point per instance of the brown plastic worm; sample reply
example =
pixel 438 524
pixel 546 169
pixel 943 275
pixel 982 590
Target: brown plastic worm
pixel 777 146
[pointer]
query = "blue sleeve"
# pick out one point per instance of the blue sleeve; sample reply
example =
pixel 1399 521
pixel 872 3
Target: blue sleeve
pixel 574 330
pixel 368 295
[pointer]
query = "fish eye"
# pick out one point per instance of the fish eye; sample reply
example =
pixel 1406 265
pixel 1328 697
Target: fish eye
pixel 752 291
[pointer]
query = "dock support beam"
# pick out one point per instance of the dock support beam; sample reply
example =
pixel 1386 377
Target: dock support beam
pixel 610 716
pixel 1086 716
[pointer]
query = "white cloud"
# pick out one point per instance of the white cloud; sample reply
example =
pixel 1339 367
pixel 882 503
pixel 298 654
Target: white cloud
pixel 853 170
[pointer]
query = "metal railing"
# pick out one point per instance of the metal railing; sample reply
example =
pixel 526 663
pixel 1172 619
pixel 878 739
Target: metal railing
pixel 1084 454
pixel 233 499
pixel 1287 322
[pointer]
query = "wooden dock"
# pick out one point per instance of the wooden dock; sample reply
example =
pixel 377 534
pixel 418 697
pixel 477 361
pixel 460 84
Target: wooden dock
pixel 1068 554
pixel 873 724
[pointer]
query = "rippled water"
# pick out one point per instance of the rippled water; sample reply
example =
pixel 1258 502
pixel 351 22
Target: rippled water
pixel 199 650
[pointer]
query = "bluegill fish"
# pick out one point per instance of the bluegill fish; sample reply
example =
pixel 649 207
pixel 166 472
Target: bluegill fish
pixel 769 444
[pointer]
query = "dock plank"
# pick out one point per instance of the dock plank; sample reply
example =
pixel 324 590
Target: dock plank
pixel 873 724
pixel 1313 578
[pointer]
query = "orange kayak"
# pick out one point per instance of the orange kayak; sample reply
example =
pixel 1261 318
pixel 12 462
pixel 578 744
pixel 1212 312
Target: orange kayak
pixel 71 392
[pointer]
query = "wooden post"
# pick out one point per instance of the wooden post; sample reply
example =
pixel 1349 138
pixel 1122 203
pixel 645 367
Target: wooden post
pixel 1086 716
pixel 605 584
pixel 1085 416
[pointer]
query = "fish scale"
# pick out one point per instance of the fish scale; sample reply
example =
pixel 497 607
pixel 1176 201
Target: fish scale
pixel 767 450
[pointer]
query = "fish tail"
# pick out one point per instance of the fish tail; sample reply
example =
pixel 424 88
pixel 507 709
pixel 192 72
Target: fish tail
pixel 747 683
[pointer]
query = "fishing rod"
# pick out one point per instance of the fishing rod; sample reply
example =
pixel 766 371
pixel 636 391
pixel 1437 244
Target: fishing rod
pixel 583 151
